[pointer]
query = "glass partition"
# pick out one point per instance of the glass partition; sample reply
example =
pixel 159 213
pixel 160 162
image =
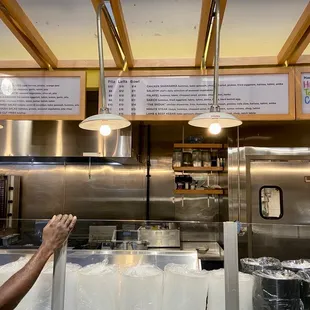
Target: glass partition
pixel 122 264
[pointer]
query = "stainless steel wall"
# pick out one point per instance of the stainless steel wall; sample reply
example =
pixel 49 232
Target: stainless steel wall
pixel 103 191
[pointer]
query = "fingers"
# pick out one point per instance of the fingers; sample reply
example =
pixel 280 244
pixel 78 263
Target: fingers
pixel 69 220
pixel 73 222
pixel 51 220
pixel 64 219
pixel 58 218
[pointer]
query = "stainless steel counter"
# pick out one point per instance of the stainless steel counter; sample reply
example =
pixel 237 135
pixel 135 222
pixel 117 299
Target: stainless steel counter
pixel 215 252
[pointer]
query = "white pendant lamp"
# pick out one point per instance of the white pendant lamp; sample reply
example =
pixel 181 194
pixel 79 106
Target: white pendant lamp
pixel 215 120
pixel 104 122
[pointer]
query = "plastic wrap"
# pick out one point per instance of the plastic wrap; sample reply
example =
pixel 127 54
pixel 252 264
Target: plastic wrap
pixel 275 290
pixel 98 287
pixel 296 265
pixel 141 288
pixel 305 288
pixel 216 291
pixel 249 265
pixel 184 288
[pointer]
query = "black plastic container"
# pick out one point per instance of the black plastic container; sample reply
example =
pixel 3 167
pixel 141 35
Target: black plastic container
pixel 276 290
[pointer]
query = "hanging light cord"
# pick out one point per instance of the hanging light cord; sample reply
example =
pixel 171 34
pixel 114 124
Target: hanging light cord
pixel 103 108
pixel 215 106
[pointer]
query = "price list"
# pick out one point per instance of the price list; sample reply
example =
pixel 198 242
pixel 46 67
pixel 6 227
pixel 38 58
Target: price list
pixel 184 95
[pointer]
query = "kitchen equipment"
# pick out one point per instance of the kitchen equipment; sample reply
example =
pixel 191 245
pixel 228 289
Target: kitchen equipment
pixel 276 289
pixel 98 234
pixel 187 159
pixel 163 238
pixel 177 158
pixel 9 200
pixel 249 265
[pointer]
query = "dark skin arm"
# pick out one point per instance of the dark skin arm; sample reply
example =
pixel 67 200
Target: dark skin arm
pixel 55 233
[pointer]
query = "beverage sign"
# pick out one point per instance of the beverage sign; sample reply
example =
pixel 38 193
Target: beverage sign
pixel 305 89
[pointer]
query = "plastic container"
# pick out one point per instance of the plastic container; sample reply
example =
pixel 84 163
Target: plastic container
pixel 141 288
pixel 216 291
pixel 184 289
pixel 98 287
pixel 276 289
pixel 296 265
pixel 249 265
pixel 305 288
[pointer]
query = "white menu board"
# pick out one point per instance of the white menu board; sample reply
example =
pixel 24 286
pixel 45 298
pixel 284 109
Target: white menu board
pixel 182 95
pixel 305 89
pixel 31 96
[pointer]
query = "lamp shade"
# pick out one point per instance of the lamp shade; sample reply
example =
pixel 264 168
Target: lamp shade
pixel 206 119
pixel 96 121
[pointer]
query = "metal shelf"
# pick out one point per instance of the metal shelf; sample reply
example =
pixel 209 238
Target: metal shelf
pixel 198 145
pixel 199 192
pixel 197 169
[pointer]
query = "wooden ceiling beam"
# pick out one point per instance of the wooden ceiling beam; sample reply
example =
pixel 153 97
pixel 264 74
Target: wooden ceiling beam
pixel 112 42
pixel 211 46
pixel 122 30
pixel 22 38
pixel 296 36
pixel 204 29
pixel 22 20
pixel 305 41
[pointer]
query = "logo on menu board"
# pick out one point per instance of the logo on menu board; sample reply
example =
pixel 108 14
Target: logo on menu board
pixel 306 89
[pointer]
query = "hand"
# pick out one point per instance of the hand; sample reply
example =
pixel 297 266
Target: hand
pixel 57 231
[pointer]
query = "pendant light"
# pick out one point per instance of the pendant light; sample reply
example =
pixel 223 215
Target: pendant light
pixel 104 122
pixel 215 120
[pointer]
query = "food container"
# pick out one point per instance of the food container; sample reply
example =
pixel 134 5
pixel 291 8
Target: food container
pixel 206 159
pixel 184 288
pixel 187 159
pixel 197 158
pixel 305 288
pixel 249 265
pixel 276 289
pixel 296 265
pixel 177 158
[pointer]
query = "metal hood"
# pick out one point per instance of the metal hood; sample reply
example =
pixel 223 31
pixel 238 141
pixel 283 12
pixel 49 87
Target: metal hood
pixel 62 139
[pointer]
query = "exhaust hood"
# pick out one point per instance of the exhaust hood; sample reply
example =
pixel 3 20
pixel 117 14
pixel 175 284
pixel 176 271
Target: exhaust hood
pixel 62 139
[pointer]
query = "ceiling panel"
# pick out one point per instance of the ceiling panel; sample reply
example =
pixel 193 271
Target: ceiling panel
pixel 258 27
pixel 307 50
pixel 162 28
pixel 67 26
pixel 10 48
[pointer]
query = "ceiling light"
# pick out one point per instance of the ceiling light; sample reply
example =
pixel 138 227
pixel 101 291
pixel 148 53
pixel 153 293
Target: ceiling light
pixel 1 127
pixel 215 120
pixel 104 121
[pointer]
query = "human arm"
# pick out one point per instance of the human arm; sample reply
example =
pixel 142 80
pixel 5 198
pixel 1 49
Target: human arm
pixel 55 233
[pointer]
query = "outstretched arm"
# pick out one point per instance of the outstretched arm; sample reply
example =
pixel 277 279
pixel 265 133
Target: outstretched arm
pixel 55 233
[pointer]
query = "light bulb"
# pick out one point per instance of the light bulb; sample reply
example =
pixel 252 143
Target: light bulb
pixel 105 130
pixel 215 128
pixel 7 87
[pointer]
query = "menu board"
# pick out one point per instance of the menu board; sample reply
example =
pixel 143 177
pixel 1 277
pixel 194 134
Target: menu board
pixel 305 92
pixel 42 97
pixel 260 94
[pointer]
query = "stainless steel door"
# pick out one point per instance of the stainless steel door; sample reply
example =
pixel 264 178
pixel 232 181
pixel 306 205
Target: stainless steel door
pixel 280 237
